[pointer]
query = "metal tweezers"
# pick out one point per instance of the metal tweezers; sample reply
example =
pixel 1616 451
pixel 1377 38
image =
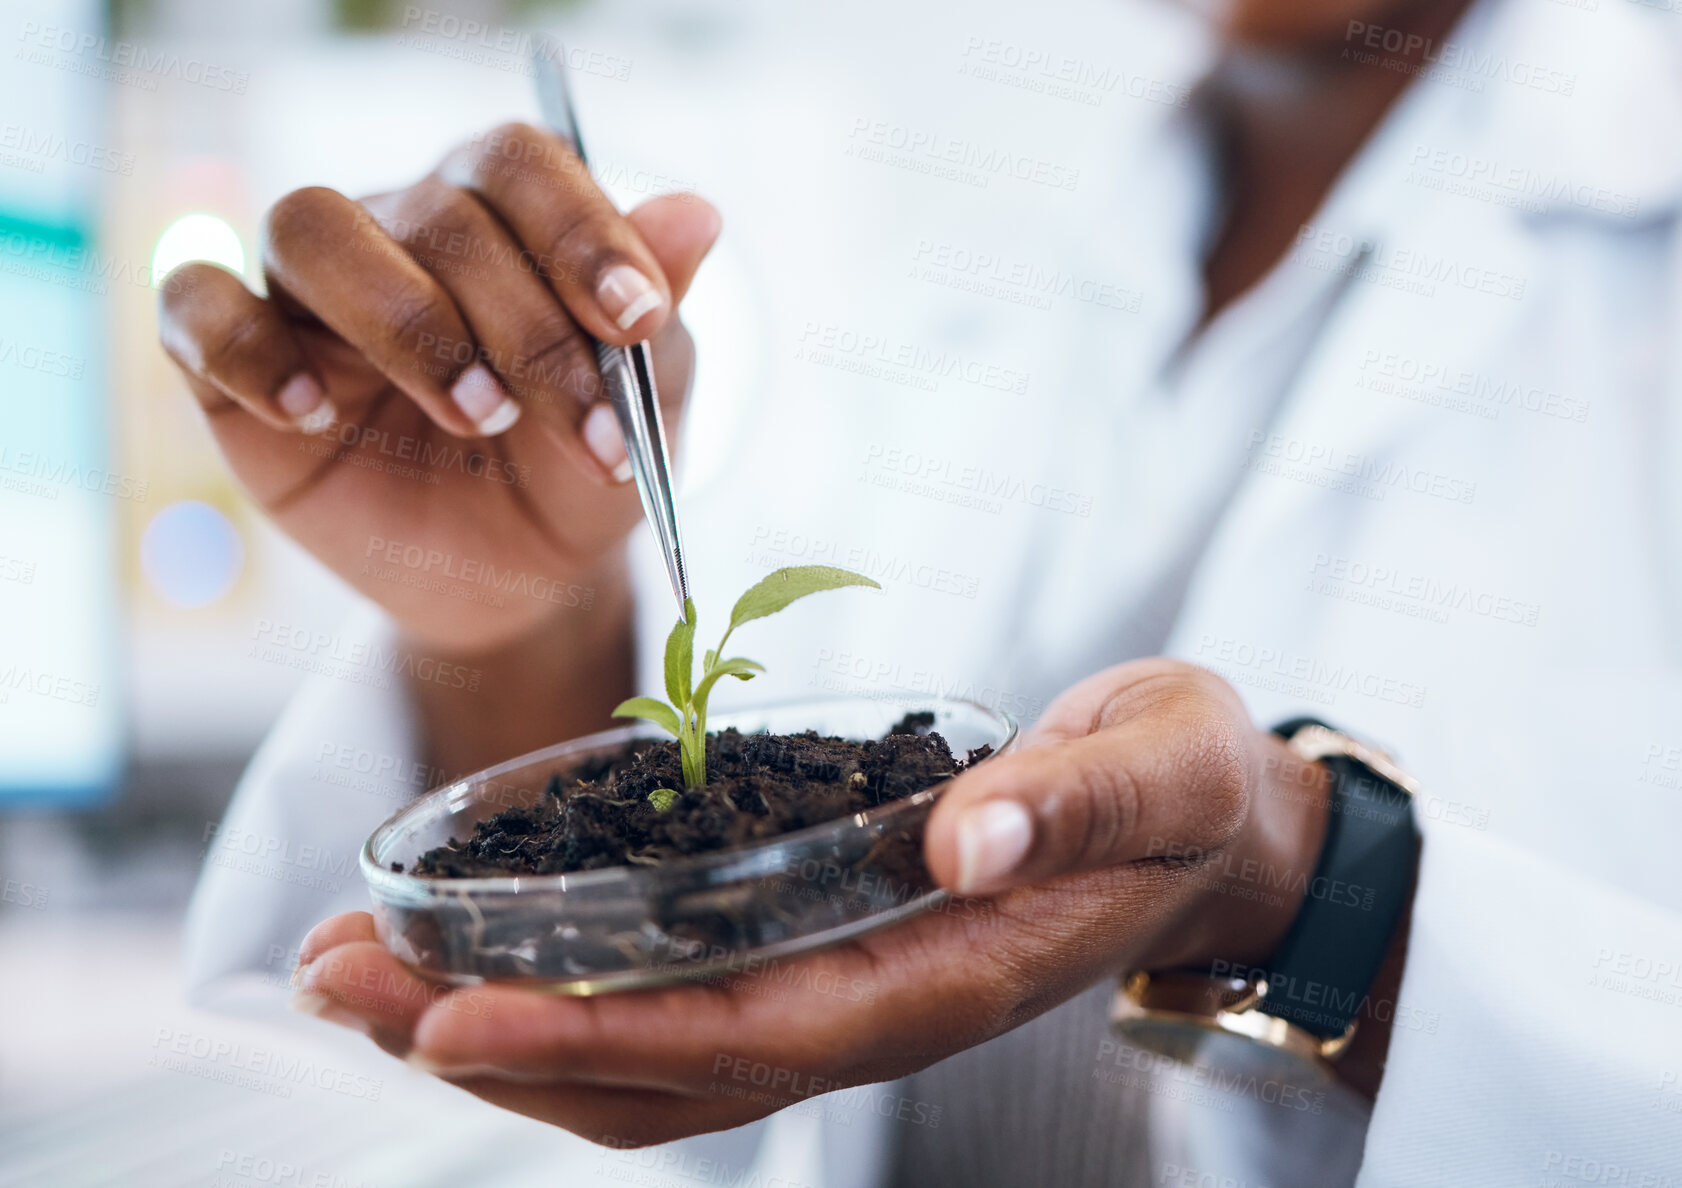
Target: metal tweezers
pixel 627 372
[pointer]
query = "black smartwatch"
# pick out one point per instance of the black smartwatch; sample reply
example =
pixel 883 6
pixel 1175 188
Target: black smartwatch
pixel 1330 957
pixel 1306 1003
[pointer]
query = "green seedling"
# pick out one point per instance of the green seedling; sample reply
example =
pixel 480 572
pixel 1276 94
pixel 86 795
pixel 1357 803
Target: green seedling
pixel 685 717
pixel 663 798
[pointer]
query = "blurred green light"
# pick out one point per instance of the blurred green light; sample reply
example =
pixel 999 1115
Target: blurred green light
pixel 197 236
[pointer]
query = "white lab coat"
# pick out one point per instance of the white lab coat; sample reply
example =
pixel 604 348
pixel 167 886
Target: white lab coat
pixel 1436 501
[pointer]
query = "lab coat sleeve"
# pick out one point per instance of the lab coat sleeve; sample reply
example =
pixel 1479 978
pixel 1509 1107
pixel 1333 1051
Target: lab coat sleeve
pixel 1538 1031
pixel 342 758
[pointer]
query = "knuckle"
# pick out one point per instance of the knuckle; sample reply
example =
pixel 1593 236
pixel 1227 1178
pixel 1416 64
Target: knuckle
pixel 177 291
pixel 511 132
pixel 487 146
pixel 552 354
pixel 301 214
pixel 430 208
pixel 1211 684
pixel 513 145
pixel 583 244
pixel 1151 685
pixel 232 344
pixel 1221 773
pixel 1103 812
pixel 1168 666
pixel 410 313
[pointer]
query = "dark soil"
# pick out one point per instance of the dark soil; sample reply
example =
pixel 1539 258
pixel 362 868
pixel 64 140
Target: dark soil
pixel 758 786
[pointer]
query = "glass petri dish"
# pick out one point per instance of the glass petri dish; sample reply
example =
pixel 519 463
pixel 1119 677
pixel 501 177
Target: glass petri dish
pixel 633 926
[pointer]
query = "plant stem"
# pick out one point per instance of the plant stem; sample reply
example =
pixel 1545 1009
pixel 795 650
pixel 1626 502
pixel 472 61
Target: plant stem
pixel 692 742
pixel 695 722
pixel 698 732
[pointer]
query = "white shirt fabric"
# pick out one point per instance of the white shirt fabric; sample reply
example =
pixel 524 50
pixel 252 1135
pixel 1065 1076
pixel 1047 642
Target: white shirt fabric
pixel 1421 482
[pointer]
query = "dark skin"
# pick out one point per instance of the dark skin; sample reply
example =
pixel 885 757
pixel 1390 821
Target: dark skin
pixel 1143 754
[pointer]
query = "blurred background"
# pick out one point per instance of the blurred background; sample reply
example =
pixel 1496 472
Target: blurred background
pixel 135 580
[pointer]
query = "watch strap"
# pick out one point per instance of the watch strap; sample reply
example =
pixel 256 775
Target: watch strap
pixel 1324 968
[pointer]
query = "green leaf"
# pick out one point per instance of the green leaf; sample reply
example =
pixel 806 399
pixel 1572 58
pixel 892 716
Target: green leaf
pixel 680 656
pixel 707 661
pixel 739 667
pixel 662 799
pixel 778 589
pixel 658 712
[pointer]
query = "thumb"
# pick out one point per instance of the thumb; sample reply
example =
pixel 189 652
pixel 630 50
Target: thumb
pixel 1162 782
pixel 680 230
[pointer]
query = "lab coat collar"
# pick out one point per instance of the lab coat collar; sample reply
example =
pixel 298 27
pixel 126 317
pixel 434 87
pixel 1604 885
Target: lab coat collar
pixel 1551 111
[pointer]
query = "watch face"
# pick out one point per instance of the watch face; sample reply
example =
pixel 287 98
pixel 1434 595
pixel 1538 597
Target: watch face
pixel 1201 1058
pixel 1167 1035
pixel 1240 1054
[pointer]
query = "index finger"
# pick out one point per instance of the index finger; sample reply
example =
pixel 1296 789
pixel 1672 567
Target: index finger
pixel 588 252
pixel 864 1011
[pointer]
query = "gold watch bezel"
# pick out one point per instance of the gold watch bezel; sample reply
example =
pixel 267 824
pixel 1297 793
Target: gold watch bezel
pixel 1226 1004
pixel 1314 743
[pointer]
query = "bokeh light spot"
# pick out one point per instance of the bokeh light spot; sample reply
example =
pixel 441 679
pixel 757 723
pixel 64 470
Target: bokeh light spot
pixel 197 237
pixel 191 554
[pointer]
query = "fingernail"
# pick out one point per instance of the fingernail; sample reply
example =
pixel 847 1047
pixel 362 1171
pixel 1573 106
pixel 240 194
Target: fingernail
pixel 306 1003
pixel 303 400
pixel 447 1071
pixel 483 401
pixel 601 434
pixel 626 295
pixel 992 838
pixel 329 1011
